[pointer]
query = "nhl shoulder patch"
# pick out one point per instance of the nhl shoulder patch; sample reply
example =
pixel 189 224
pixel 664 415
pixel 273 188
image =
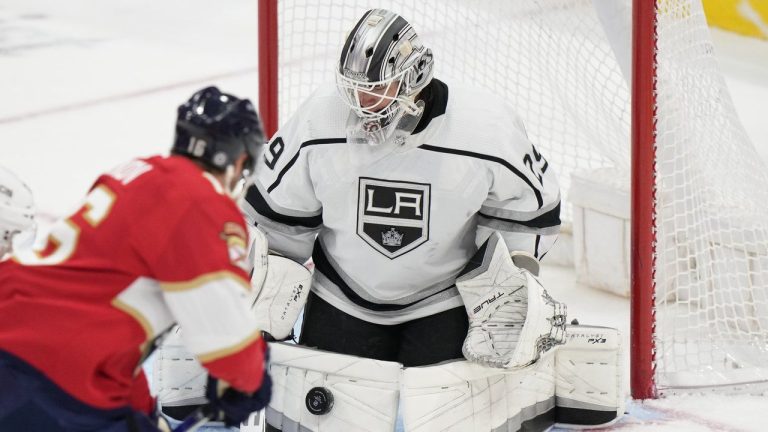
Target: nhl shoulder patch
pixel 393 216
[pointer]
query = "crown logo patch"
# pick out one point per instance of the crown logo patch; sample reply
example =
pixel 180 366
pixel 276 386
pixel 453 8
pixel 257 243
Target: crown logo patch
pixel 392 238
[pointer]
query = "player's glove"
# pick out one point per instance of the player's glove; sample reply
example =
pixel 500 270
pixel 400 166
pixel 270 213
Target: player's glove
pixel 233 407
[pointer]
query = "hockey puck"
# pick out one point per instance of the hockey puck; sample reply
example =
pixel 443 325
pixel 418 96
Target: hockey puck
pixel 319 400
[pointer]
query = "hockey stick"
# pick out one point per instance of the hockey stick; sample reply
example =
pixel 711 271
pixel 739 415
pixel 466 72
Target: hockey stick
pixel 194 421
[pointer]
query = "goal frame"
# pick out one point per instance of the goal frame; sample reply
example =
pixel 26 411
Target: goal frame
pixel 643 166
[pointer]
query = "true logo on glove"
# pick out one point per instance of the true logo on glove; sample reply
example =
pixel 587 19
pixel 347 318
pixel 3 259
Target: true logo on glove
pixel 487 301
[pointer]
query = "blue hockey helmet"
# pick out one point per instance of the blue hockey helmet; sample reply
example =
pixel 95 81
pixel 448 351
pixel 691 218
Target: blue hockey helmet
pixel 217 128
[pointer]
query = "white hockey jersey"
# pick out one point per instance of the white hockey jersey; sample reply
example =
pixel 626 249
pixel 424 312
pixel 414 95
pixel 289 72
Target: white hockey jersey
pixel 390 227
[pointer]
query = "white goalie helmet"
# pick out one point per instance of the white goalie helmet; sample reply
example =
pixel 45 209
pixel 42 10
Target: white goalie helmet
pixel 382 68
pixel 17 210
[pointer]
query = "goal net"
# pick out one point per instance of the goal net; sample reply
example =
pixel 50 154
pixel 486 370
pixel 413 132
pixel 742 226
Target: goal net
pixel 565 65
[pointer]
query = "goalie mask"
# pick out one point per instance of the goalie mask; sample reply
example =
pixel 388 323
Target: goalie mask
pixel 17 210
pixel 383 67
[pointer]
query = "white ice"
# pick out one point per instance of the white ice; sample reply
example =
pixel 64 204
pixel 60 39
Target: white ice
pixel 87 84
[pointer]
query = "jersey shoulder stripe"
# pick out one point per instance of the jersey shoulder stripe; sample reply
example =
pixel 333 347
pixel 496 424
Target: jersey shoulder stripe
pixel 295 157
pixel 490 158
pixel 546 220
pixel 261 205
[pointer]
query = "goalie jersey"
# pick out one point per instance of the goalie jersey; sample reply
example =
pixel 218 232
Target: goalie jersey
pixel 156 241
pixel 389 227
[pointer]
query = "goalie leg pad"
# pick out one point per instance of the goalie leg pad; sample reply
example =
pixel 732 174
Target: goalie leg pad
pixel 466 396
pixel 177 377
pixel 588 370
pixel 320 391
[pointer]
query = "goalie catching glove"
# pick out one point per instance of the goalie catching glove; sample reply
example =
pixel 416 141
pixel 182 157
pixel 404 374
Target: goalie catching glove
pixel 281 287
pixel 512 319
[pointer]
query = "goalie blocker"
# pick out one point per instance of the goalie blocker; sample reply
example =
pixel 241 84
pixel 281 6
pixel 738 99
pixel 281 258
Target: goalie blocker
pixel 281 286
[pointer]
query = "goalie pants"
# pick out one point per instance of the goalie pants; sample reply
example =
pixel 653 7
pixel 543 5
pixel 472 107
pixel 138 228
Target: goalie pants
pixel 29 401
pixel 420 342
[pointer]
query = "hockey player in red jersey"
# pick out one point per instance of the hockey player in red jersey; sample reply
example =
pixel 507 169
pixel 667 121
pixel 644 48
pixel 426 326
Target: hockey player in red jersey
pixel 157 241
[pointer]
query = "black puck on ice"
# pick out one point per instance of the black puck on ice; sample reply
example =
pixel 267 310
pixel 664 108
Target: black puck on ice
pixel 319 400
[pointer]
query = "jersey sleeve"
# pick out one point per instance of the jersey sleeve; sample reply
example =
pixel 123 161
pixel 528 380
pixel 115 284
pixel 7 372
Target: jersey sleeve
pixel 201 271
pixel 523 203
pixel 281 197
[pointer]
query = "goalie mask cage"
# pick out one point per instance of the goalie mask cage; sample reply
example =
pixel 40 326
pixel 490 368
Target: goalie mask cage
pixel 699 188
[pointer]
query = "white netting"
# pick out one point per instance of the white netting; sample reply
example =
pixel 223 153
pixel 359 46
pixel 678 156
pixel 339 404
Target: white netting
pixel 562 64
pixel 712 218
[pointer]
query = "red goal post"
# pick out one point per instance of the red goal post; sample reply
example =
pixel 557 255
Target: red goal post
pixel 643 198
pixel 268 62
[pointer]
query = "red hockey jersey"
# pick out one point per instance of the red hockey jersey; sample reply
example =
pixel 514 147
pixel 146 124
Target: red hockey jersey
pixel 155 242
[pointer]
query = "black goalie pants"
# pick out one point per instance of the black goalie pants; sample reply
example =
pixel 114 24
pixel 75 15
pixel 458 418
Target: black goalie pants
pixel 420 342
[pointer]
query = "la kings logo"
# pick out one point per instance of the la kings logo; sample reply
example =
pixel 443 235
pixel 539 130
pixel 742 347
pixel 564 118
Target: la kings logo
pixel 393 216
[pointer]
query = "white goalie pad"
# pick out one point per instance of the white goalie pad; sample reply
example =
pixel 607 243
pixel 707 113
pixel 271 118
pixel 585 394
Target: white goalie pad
pixel 465 396
pixel 589 390
pixel 177 377
pixel 512 319
pixel 281 296
pixel 319 391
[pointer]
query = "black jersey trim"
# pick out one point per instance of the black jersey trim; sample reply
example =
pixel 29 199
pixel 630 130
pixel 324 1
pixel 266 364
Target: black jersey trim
pixel 478 260
pixel 545 220
pixel 498 160
pixel 435 97
pixel 324 266
pixel 296 157
pixel 260 204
